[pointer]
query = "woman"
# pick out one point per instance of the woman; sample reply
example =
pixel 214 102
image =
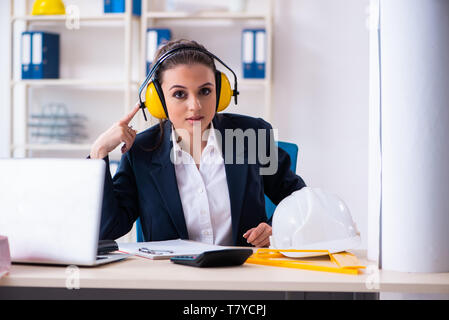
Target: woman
pixel 192 176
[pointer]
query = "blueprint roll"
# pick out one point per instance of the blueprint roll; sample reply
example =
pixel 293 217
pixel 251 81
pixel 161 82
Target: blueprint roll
pixel 414 42
pixel 374 155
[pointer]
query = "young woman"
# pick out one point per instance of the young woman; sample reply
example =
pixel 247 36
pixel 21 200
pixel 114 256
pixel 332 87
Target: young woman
pixel 193 176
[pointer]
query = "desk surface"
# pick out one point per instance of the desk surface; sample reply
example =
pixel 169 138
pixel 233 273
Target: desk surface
pixel 140 273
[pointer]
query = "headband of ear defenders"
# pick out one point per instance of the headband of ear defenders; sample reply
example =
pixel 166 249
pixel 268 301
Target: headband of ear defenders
pixel 170 53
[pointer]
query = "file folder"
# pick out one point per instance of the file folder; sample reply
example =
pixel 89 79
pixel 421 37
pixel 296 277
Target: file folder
pixel 248 53
pixel 44 55
pixel 107 6
pixel 254 53
pixel 155 38
pixel 26 55
pixel 260 53
pixel 119 6
pixel 137 7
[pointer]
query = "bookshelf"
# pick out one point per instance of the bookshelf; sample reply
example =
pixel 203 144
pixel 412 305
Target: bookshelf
pixel 127 84
pixel 21 20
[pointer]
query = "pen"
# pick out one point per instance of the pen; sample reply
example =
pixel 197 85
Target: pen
pixel 149 251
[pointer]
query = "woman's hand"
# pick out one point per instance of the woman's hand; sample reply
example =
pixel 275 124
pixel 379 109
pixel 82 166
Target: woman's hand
pixel 111 138
pixel 259 236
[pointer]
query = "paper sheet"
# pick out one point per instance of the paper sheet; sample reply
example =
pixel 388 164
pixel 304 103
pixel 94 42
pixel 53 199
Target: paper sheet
pixel 165 249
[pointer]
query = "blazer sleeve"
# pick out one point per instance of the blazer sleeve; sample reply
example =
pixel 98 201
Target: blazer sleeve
pixel 282 182
pixel 120 201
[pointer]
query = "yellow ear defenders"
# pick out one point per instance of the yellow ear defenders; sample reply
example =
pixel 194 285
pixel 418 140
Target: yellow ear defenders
pixel 154 97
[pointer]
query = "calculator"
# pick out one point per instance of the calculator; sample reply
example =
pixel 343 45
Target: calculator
pixel 215 258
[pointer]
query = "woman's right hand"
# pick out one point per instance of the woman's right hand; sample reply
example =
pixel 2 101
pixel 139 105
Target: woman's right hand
pixel 111 138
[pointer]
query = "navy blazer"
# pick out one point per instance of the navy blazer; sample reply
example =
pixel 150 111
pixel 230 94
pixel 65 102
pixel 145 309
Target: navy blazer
pixel 145 184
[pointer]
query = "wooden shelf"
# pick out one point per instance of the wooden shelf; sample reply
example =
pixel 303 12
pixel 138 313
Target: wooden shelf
pixel 148 15
pixel 53 147
pixel 113 84
pixel 124 23
pixel 204 15
pixel 114 155
pixel 253 82
pixel 73 82
pixel 62 18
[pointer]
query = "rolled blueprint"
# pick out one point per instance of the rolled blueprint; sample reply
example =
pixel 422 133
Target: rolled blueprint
pixel 374 154
pixel 414 51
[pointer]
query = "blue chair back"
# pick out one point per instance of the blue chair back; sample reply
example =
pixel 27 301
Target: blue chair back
pixel 290 148
pixel 139 231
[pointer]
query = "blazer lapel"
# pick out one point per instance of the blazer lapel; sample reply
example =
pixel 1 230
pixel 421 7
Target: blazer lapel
pixel 165 179
pixel 236 175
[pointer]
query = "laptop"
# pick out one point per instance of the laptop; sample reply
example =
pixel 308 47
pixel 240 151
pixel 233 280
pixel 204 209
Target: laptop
pixel 50 210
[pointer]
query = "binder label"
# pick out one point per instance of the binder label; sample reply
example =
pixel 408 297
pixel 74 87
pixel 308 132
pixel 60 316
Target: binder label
pixel 37 48
pixel 248 49
pixel 260 47
pixel 151 45
pixel 26 49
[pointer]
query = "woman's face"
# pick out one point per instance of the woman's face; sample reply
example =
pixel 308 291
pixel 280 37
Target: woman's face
pixel 190 97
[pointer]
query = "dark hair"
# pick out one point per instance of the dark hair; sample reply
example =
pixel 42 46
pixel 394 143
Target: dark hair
pixel 180 57
pixel 186 56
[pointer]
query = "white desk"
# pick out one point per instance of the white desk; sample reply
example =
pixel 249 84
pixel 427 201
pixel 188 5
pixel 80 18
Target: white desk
pixel 141 274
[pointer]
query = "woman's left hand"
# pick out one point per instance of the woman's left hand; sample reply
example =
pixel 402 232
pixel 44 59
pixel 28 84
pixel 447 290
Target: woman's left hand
pixel 259 236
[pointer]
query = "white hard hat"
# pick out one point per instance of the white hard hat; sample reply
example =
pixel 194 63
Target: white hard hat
pixel 312 219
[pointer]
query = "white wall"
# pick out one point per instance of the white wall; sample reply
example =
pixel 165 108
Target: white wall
pixel 321 94
pixel 320 90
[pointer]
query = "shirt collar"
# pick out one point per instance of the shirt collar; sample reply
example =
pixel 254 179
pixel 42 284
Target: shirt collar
pixel 212 144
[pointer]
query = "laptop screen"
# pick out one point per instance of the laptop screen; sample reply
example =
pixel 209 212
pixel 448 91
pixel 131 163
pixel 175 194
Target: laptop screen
pixel 50 209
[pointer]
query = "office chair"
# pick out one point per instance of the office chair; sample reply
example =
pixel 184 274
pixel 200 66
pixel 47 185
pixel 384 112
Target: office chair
pixel 139 231
pixel 290 148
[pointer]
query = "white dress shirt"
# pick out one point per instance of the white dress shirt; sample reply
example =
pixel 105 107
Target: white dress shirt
pixel 204 192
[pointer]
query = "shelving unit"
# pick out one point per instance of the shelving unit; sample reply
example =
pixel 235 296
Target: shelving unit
pixel 62 18
pixel 126 84
pixel 203 15
pixel 150 19
pixel 73 82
